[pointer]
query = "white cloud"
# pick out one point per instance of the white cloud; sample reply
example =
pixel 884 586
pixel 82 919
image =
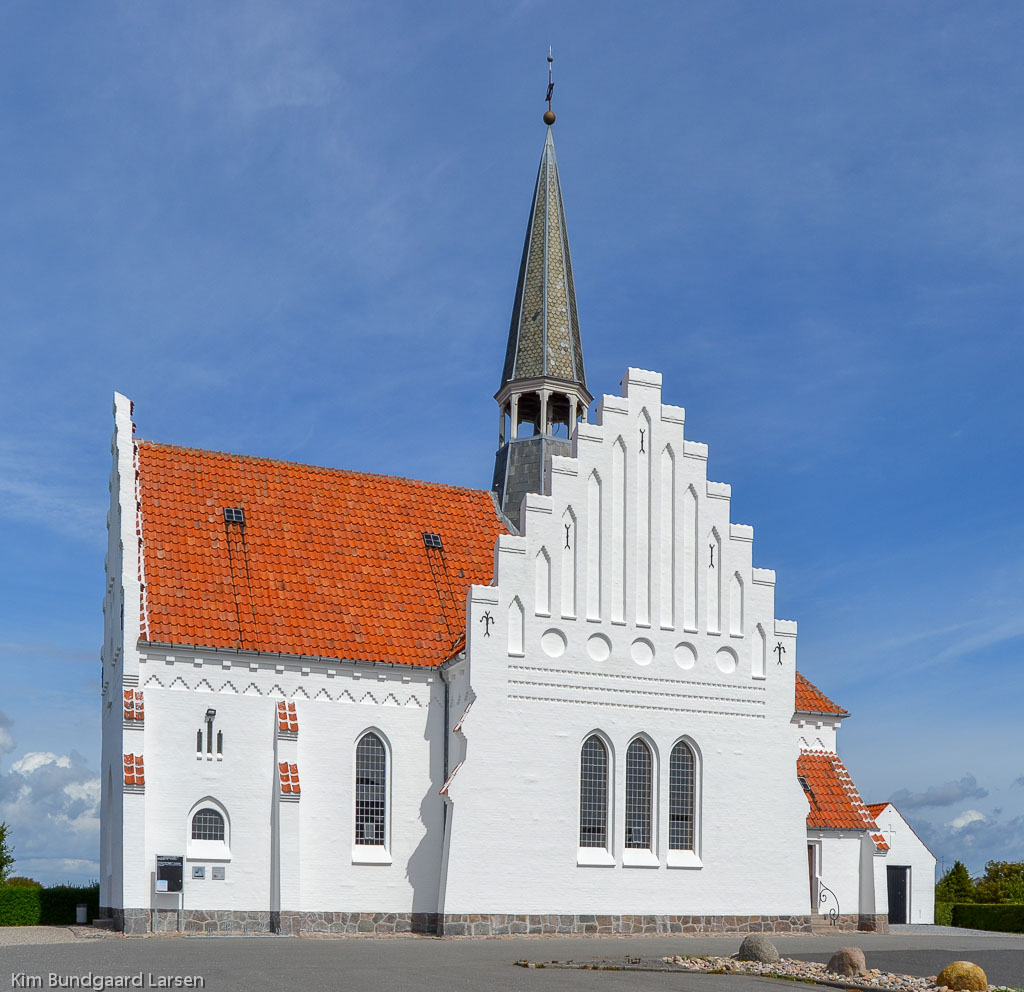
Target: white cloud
pixel 966 818
pixel 51 804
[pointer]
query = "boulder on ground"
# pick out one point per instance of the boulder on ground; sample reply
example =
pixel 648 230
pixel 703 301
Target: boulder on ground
pixel 848 962
pixel 758 948
pixel 963 976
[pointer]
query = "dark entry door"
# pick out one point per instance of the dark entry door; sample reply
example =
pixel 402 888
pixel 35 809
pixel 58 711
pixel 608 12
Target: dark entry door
pixel 896 879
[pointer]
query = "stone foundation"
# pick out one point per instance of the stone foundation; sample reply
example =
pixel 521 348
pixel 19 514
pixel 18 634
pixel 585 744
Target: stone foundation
pixel 493 924
pixel 294 923
pixel 851 922
pixel 138 922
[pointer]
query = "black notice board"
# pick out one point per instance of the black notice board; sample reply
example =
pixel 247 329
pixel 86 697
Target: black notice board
pixel 169 870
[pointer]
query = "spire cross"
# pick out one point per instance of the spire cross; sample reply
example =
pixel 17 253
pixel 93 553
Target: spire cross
pixel 551 82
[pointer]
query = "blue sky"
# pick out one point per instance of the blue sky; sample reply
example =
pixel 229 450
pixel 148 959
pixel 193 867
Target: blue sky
pixel 293 229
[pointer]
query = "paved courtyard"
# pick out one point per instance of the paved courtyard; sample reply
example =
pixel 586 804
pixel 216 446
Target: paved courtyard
pixel 424 964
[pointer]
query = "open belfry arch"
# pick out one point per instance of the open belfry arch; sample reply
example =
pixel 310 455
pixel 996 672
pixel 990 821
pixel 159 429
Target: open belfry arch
pixel 339 702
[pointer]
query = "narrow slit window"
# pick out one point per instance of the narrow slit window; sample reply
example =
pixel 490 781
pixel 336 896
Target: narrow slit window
pixel 220 741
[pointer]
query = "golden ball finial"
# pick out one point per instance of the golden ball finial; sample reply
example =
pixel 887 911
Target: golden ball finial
pixel 549 117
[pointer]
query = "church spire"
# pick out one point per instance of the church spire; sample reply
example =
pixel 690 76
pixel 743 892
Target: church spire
pixel 543 385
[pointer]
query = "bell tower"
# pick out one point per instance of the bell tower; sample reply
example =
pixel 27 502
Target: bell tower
pixel 543 391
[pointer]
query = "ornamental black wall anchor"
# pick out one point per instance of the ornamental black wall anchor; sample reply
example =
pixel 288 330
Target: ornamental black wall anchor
pixel 780 651
pixel 567 526
pixel 641 441
pixel 487 620
pixel 711 548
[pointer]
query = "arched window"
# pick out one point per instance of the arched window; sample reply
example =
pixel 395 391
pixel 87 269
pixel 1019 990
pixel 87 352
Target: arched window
pixel 639 765
pixel 208 824
pixel 681 792
pixel 594 793
pixel 371 790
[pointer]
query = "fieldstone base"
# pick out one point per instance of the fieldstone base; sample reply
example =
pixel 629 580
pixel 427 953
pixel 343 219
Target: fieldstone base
pixel 295 923
pixel 873 922
pixel 851 922
pixel 139 922
pixel 493 924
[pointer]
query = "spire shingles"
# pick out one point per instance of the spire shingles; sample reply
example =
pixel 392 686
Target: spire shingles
pixel 544 336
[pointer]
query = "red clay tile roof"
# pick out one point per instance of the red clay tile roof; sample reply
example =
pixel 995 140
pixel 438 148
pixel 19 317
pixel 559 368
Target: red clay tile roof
pixel 134 770
pixel 880 842
pixel 328 563
pixel 834 799
pixel 875 809
pixel 810 699
pixel 134 706
pixel 289 775
pixel 287 719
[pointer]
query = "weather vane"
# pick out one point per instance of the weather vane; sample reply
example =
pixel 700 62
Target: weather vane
pixel 549 114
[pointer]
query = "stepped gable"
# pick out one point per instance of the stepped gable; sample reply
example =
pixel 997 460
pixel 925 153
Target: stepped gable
pixel 323 562
pixel 810 699
pixel 835 803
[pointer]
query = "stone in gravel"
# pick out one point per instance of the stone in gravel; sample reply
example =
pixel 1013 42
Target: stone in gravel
pixel 758 948
pixel 848 962
pixel 963 976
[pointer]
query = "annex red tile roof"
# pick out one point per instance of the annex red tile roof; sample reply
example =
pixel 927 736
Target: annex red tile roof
pixel 287 719
pixel 875 809
pixel 328 563
pixel 880 842
pixel 810 699
pixel 835 802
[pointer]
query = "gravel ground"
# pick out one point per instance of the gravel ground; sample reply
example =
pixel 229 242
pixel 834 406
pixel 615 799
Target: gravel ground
pixel 19 936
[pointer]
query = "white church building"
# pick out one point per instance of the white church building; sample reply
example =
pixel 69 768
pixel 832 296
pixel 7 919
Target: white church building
pixel 358 703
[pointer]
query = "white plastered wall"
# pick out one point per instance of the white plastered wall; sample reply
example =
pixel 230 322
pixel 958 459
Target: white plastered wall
pixel 907 849
pixel 681 662
pixel 291 855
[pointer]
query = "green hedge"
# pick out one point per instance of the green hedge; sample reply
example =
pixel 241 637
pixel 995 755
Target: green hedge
pixel 21 906
pixel 1003 917
pixel 59 902
pixel 943 914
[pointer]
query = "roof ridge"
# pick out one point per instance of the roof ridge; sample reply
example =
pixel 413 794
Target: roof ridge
pixel 163 445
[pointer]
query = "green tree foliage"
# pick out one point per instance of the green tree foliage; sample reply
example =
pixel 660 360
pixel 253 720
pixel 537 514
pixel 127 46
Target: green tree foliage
pixel 1003 883
pixel 955 885
pixel 6 854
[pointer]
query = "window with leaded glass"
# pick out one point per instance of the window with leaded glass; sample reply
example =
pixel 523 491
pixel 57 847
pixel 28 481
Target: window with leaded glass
pixel 594 793
pixel 207 824
pixel 371 790
pixel 681 792
pixel 639 765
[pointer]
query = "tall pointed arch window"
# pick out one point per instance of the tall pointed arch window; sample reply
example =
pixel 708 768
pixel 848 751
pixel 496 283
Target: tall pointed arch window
pixel 681 797
pixel 594 793
pixel 639 781
pixel 371 791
